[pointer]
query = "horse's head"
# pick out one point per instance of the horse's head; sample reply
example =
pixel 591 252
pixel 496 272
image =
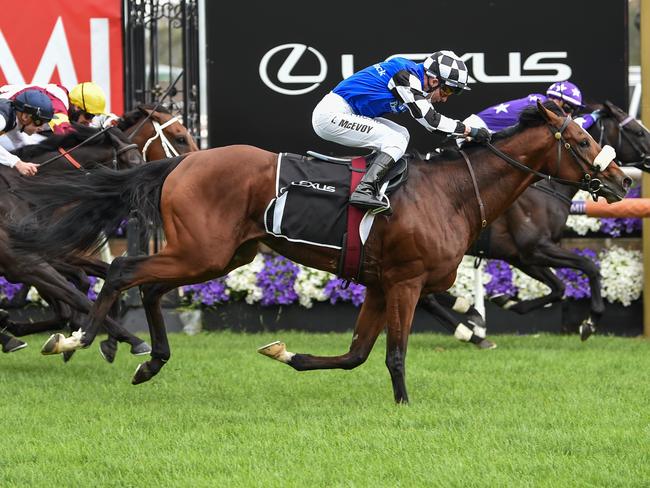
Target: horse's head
pixel 126 154
pixel 161 135
pixel 576 156
pixel 626 134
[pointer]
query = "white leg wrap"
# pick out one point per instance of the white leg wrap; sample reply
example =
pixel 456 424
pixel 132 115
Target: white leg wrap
pixel 71 343
pixel 463 333
pixel 461 305
pixel 480 331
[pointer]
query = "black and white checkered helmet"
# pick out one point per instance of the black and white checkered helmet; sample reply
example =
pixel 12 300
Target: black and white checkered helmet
pixel 448 68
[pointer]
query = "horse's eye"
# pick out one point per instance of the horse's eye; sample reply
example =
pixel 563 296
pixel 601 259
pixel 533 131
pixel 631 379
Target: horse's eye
pixel 584 143
pixel 180 139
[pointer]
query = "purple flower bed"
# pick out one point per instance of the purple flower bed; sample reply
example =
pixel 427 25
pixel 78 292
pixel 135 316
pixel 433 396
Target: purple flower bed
pixel 355 292
pixel 577 283
pixel 9 289
pixel 207 294
pixel 276 279
pixel 501 281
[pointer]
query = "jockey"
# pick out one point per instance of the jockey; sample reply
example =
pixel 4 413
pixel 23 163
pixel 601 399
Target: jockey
pixel 88 106
pixel 351 113
pixel 25 113
pixel 565 94
pixel 58 94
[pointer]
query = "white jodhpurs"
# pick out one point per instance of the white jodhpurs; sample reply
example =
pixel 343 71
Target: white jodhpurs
pixel 334 120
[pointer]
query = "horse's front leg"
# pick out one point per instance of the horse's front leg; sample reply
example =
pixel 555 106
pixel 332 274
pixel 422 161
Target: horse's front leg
pixel 370 323
pixel 401 300
pixel 160 353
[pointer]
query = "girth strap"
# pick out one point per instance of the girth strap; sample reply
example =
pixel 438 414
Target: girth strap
pixel 476 191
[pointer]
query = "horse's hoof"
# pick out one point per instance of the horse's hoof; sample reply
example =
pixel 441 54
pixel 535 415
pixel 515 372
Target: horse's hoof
pixel 486 344
pixel 142 374
pixel 276 350
pixel 108 349
pixel 67 356
pixel 13 345
pixel 52 346
pixel 141 349
pixel 586 330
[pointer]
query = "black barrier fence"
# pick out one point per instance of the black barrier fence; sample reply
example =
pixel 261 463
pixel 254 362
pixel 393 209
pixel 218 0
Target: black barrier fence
pixel 268 66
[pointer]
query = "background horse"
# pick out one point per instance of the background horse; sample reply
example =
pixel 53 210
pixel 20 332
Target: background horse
pixel 211 205
pixel 528 236
pixel 161 136
pixel 112 149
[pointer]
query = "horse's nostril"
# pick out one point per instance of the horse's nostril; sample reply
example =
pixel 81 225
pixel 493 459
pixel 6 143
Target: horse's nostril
pixel 627 183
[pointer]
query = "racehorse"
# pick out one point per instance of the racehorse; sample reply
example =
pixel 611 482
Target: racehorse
pixel 528 234
pixel 160 136
pixel 110 148
pixel 211 205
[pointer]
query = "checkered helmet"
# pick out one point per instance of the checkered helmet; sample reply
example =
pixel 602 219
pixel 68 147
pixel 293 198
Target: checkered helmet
pixel 448 68
pixel 567 91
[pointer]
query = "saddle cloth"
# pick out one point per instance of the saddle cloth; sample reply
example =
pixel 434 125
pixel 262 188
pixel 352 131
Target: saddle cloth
pixel 311 205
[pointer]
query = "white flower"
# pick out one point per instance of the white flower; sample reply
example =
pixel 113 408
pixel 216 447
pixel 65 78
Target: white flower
pixel 581 224
pixel 310 285
pixel 466 279
pixel 528 288
pixel 244 279
pixel 622 274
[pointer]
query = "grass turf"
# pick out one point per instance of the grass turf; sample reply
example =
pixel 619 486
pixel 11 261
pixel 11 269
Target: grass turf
pixel 538 411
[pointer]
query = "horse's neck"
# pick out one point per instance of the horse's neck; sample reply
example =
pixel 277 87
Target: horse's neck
pixel 499 183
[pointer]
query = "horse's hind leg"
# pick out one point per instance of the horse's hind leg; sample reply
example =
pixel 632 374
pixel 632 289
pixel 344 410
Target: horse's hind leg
pixel 370 322
pixel 474 331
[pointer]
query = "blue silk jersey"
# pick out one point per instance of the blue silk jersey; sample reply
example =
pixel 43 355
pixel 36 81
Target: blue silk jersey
pixel 367 91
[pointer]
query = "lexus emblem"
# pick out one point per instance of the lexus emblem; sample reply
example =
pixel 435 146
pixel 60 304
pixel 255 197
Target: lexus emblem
pixel 285 77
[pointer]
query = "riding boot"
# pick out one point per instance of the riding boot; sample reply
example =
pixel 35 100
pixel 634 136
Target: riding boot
pixel 366 195
pixel 9 343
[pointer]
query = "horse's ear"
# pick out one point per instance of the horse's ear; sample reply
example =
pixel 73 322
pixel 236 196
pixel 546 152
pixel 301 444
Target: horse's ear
pixel 611 107
pixel 150 113
pixel 544 112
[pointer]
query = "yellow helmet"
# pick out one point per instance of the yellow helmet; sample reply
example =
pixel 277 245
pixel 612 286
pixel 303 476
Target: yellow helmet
pixel 89 97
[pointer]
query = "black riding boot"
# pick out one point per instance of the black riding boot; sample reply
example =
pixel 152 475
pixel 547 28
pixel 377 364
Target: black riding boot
pixel 366 196
pixel 9 343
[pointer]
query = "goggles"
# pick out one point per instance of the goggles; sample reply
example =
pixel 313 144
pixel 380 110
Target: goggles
pixel 447 90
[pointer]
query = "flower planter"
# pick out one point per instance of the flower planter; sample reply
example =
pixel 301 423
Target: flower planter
pixel 324 317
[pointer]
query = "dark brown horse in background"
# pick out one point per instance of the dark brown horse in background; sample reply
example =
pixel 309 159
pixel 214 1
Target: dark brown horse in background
pixel 211 205
pixel 528 234
pixel 53 279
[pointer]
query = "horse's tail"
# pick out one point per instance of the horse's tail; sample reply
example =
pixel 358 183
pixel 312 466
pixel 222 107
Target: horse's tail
pixel 76 210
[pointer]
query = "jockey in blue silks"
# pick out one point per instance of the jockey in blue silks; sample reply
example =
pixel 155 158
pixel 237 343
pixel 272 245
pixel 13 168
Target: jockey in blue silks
pixel 352 113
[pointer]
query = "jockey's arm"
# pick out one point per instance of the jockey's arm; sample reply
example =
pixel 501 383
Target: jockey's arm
pixel 13 161
pixel 407 88
pixel 587 120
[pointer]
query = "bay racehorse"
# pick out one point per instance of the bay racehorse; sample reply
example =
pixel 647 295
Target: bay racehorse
pixel 52 278
pixel 211 206
pixel 528 236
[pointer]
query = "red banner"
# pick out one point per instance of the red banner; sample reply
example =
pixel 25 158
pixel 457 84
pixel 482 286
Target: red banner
pixel 63 41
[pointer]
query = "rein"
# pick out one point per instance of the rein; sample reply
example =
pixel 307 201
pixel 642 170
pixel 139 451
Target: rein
pixel 65 153
pixel 588 183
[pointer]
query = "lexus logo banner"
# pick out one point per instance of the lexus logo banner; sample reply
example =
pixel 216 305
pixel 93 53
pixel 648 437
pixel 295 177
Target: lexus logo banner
pixel 269 66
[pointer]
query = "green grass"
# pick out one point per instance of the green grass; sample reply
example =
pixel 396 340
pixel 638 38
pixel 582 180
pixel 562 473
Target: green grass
pixel 538 411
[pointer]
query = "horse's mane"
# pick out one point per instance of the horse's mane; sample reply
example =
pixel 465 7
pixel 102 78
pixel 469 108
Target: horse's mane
pixel 52 143
pixel 529 117
pixel 129 119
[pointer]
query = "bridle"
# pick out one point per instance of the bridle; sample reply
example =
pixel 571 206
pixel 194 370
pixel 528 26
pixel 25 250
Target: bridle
pixel 623 133
pixel 588 183
pixel 170 150
pixel 66 153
